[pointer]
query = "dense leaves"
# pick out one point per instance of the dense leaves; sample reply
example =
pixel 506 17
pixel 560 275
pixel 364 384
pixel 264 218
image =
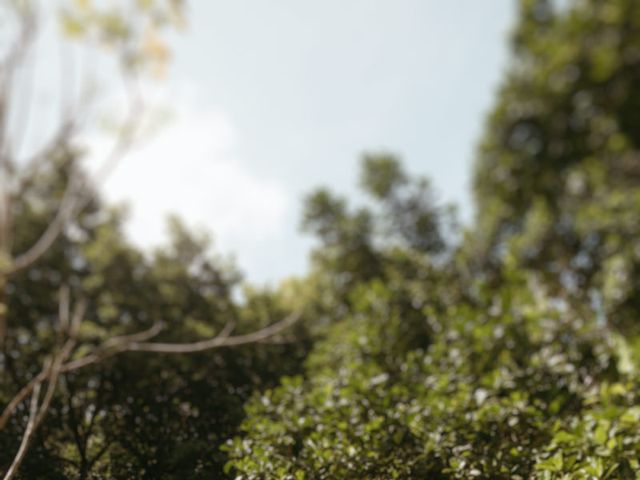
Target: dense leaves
pixel 424 378
pixel 513 356
pixel 558 171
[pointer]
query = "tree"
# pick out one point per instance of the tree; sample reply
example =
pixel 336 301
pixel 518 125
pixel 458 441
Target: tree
pixel 74 295
pixel 528 361
pixel 510 354
pixel 557 174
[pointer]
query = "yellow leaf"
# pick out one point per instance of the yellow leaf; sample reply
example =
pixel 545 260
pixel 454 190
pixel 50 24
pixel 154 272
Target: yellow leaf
pixel 154 47
pixel 71 26
pixel 83 4
pixel 145 4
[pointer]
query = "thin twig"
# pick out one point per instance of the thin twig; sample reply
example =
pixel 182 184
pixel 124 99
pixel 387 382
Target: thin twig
pixel 8 66
pixel 138 343
pixel 26 438
pixel 76 197
pixel 217 341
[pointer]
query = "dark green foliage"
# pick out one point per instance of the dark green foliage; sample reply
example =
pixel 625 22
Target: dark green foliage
pixel 140 415
pixel 411 216
pixel 558 172
pixel 426 374
pixel 488 398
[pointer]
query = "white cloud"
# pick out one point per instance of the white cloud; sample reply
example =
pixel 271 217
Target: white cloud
pixel 191 168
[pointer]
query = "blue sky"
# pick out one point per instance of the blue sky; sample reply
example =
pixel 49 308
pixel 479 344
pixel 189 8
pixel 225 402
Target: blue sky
pixel 271 99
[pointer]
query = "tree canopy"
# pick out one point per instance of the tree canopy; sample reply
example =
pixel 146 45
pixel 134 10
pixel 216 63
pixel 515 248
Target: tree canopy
pixel 504 349
pixel 513 354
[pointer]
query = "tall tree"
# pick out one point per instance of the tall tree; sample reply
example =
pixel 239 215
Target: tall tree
pixel 558 171
pixel 521 371
pixel 74 294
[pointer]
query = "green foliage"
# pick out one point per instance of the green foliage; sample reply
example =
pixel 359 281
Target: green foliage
pixel 410 213
pixel 512 355
pixel 139 416
pixel 557 173
pixel 382 175
pixel 134 29
pixel 515 355
pixel 486 396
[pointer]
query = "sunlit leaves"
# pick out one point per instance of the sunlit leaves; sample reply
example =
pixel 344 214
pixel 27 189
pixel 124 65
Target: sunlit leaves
pixel 494 395
pixel 135 31
pixel 528 364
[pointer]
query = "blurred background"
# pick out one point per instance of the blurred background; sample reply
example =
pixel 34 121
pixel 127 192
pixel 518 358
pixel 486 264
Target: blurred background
pixel 401 342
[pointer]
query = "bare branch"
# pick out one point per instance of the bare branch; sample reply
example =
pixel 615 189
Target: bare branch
pixel 20 397
pixel 228 328
pixel 56 367
pixel 133 343
pixel 52 377
pixel 138 343
pixel 75 197
pixel 41 246
pixel 25 103
pixel 63 309
pixel 37 414
pixel 110 348
pixel 217 341
pixel 136 337
pixel 26 438
pixel 8 66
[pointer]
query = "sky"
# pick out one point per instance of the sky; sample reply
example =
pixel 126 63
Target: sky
pixel 272 99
